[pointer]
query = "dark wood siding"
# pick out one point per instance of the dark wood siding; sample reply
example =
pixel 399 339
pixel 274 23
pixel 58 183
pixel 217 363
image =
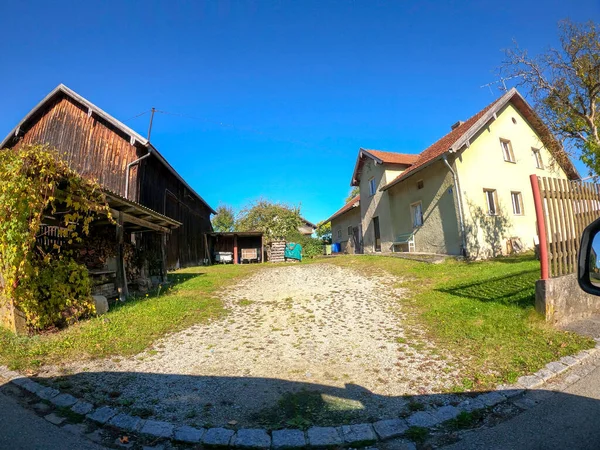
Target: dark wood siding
pixel 99 151
pixel 91 147
pixel 161 191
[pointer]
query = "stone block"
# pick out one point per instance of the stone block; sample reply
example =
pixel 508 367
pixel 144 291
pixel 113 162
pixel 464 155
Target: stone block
pixel 251 438
pixel 157 428
pixel 545 374
pixel 54 419
pixel 47 393
pixel 568 361
pixel 556 367
pixel 359 435
pixel 29 385
pixel 77 428
pixel 324 437
pixel 101 415
pixel 390 428
pixel 63 400
pixel 101 304
pixel 189 435
pixel 470 405
pixel 446 413
pixel 491 398
pixel 217 437
pixel 561 300
pixel 82 407
pixel 288 439
pixel 126 422
pixel 529 381
pixel 422 419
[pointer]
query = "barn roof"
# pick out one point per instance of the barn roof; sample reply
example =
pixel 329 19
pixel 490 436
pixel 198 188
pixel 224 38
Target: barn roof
pixel 134 137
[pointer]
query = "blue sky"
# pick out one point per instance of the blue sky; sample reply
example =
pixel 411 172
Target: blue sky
pixel 272 98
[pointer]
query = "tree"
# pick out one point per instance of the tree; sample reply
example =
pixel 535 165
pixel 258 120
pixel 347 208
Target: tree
pixel 564 84
pixel 224 220
pixel 353 193
pixel 275 220
pixel 323 231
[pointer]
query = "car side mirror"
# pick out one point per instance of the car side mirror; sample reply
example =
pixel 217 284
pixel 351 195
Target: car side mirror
pixel 588 271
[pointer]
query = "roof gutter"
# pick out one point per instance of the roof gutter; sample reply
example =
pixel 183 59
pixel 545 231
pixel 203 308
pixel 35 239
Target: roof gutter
pixel 459 201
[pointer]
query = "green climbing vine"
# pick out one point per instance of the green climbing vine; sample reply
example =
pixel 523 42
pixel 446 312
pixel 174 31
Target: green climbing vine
pixel 44 281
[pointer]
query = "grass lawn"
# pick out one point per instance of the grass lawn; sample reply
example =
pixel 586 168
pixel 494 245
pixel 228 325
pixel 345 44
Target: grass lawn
pixel 483 312
pixel 131 327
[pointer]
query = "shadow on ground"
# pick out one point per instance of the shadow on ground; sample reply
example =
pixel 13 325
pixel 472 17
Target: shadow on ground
pixel 536 419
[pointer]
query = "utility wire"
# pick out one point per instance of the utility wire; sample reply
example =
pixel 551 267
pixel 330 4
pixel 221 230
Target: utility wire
pixel 135 117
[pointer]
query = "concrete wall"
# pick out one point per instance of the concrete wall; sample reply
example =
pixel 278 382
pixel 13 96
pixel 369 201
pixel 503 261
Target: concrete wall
pixel 482 166
pixel 341 224
pixel 561 300
pixel 440 232
pixel 11 318
pixel 376 205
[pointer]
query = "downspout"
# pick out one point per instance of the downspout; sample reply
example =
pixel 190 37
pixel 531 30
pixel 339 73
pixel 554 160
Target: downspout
pixel 137 161
pixel 459 201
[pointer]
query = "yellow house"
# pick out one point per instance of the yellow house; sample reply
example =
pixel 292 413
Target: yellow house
pixel 469 193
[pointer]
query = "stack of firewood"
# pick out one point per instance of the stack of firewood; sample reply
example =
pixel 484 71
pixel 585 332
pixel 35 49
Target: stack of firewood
pixel 276 251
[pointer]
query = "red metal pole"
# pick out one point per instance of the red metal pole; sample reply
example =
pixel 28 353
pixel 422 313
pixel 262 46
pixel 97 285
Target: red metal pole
pixel 539 214
pixel 235 249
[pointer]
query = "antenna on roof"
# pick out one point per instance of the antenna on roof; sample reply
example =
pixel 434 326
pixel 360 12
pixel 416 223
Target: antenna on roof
pixel 153 110
pixel 502 80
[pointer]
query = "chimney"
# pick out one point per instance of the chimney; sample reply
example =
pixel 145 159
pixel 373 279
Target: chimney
pixel 457 124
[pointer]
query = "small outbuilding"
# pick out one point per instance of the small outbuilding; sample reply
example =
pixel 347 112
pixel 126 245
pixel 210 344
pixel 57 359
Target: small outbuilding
pixel 238 247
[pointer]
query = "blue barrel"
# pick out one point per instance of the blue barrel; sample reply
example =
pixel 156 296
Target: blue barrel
pixel 335 247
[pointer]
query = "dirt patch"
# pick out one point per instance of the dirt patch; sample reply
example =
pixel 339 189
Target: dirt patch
pixel 305 343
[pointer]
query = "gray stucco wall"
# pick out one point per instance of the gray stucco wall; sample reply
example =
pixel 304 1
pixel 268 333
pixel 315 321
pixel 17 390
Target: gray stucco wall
pixel 341 224
pixel 440 231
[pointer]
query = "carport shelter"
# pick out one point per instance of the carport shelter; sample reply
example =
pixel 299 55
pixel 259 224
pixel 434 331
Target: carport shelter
pixel 246 246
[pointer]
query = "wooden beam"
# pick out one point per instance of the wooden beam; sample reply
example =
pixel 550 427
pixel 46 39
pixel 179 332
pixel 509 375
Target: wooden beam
pixel 163 262
pixel 121 280
pixel 235 249
pixel 128 218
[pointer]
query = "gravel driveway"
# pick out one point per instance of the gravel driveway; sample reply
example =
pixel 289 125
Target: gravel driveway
pixel 314 328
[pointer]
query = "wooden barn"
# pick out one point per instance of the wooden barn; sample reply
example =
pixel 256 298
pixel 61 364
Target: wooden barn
pixel 125 164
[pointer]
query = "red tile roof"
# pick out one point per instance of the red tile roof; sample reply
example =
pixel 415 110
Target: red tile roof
pixel 459 135
pixel 441 146
pixel 347 207
pixel 393 158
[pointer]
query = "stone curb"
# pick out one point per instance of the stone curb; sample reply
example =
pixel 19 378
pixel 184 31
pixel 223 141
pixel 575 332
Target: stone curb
pixel 315 437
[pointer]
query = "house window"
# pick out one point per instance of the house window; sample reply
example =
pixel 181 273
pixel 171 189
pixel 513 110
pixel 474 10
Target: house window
pixel 339 233
pixel 372 186
pixel 507 150
pixel 416 212
pixel 491 201
pixel 420 184
pixel 350 230
pixel 539 163
pixel 517 203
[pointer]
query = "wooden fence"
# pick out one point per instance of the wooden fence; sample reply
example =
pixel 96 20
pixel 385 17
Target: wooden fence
pixel 568 208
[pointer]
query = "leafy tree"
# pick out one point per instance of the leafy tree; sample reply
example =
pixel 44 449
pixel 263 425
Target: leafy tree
pixel 275 220
pixel 323 231
pixel 564 84
pixel 353 193
pixel 224 220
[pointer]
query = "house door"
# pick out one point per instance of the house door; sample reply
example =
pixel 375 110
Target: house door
pixel 356 239
pixel 377 245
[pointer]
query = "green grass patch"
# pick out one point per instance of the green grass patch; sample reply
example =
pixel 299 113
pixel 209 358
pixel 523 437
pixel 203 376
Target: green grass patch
pixel 483 312
pixel 417 434
pixel 306 408
pixel 129 327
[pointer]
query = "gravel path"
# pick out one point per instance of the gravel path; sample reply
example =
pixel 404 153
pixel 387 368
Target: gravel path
pixel 316 328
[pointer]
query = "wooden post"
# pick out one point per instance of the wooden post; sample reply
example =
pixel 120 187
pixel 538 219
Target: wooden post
pixel 262 248
pixel 235 249
pixel 163 261
pixel 120 275
pixel 539 214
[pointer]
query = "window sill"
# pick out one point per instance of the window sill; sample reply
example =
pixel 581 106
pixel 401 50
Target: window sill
pixel 508 161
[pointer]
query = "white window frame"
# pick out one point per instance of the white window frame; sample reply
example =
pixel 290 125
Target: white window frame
pixel 372 187
pixel 413 209
pixel 494 197
pixel 537 156
pixel 507 150
pixel 518 204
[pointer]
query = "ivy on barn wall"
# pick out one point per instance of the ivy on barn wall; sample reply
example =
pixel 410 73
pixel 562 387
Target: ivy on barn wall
pixel 45 282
